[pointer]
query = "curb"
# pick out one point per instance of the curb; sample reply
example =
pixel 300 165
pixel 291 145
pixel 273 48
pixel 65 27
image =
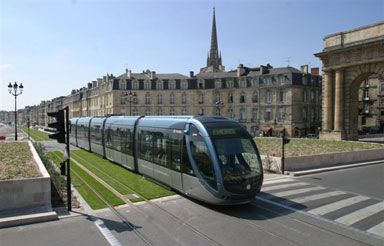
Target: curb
pixel 327 169
pixel 27 219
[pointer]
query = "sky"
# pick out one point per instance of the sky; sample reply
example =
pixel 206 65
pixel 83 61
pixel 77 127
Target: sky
pixel 52 47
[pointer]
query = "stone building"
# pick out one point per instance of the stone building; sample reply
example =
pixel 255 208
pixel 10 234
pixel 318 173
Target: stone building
pixel 265 100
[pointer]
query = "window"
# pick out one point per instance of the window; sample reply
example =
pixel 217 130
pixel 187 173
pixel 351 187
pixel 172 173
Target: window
pixel 382 100
pixel 147 85
pixel 201 98
pixel 201 111
pixel 281 117
pixel 159 99
pixel 268 96
pixel 281 96
pixel 174 144
pixel 147 111
pixel 201 156
pixel 313 116
pixel 184 98
pixel 159 85
pixel 172 99
pixel 218 84
pixel 184 85
pixel 201 84
pixel 135 112
pixel 304 96
pixel 184 111
pixel 382 86
pixel 312 96
pixel 217 97
pixel 281 80
pixel 230 97
pixel 135 85
pixel 254 114
pixel 147 98
pixel 243 83
pixel 217 111
pixel 172 85
pixel 123 85
pixel 304 114
pixel 159 111
pixel 267 114
pixel 146 145
pixel 268 81
pixel 242 97
pixel 255 97
pixel 122 99
pixel 135 99
pixel 172 111
pixel 230 84
pixel 243 114
pixel 230 113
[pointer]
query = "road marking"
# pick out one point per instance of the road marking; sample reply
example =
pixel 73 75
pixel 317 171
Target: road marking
pixel 312 197
pixel 107 233
pixel 277 187
pixel 337 205
pixel 360 214
pixel 294 192
pixel 377 229
pixel 279 180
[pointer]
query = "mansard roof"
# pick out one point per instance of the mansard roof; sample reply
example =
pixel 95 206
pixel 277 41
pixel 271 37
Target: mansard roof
pixel 162 76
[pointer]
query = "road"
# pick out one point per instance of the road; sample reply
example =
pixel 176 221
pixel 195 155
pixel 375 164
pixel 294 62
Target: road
pixel 281 215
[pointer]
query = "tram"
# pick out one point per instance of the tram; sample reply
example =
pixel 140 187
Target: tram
pixel 209 158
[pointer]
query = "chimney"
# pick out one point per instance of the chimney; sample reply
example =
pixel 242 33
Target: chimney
pixel 89 85
pixel 263 69
pixel 315 71
pixel 240 70
pixel 191 74
pixel 153 74
pixel 129 73
pixel 304 69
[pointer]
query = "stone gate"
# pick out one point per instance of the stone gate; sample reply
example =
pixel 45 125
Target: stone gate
pixel 348 58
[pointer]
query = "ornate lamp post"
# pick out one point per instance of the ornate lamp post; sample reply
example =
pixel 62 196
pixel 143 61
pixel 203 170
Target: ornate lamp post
pixel 129 96
pixel 219 105
pixel 13 89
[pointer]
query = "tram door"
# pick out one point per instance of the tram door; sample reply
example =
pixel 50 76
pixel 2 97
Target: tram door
pixel 175 144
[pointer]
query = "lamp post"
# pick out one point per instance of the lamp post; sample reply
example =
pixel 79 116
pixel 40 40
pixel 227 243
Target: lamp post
pixel 13 89
pixel 129 96
pixel 219 105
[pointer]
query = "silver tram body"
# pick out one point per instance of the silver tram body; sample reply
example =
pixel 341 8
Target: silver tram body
pixel 209 158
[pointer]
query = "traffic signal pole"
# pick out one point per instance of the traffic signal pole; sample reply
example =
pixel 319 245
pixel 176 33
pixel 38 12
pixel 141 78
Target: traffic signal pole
pixel 69 197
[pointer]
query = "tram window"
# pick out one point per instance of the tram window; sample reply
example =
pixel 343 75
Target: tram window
pixel 108 137
pixel 146 150
pixel 186 167
pixel 174 147
pixel 96 134
pixel 200 154
pixel 159 148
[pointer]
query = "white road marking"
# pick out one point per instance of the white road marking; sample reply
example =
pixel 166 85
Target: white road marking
pixel 294 192
pixel 107 233
pixel 266 182
pixel 361 214
pixel 377 229
pixel 337 205
pixel 277 187
pixel 313 197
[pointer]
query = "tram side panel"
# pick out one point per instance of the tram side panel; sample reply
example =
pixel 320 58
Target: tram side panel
pixel 83 133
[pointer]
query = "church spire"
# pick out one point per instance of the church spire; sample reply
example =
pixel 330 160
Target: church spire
pixel 213 60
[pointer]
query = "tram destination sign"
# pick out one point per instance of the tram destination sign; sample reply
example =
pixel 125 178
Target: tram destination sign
pixel 224 131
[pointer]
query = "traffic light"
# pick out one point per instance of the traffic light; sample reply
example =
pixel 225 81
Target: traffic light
pixel 62 168
pixel 286 140
pixel 59 125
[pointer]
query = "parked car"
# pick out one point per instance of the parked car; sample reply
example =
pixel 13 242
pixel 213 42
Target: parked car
pixel 312 135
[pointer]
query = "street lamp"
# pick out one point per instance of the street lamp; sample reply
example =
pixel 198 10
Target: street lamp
pixel 14 91
pixel 129 96
pixel 219 105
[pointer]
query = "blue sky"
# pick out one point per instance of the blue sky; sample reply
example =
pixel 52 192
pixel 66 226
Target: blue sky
pixel 55 46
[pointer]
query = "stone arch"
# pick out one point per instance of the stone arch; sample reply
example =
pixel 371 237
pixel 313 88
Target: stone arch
pixel 353 79
pixel 348 59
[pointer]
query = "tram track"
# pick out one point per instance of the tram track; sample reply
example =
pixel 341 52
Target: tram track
pixel 147 201
pixel 132 227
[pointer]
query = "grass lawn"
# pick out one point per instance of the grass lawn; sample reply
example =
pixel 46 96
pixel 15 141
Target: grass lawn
pixel 134 181
pixel 301 146
pixel 91 198
pixel 35 134
pixel 16 161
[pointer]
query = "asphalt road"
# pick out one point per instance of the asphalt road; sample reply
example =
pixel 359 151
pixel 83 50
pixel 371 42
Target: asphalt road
pixel 365 180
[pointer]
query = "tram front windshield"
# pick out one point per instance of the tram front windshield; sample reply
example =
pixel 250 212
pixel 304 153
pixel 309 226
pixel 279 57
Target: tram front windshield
pixel 240 165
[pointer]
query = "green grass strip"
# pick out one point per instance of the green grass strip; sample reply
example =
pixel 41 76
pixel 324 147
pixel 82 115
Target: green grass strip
pixel 101 174
pixel 105 193
pixel 134 181
pixel 36 134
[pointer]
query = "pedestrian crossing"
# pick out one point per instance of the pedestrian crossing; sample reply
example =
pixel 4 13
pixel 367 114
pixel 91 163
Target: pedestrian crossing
pixel 356 211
